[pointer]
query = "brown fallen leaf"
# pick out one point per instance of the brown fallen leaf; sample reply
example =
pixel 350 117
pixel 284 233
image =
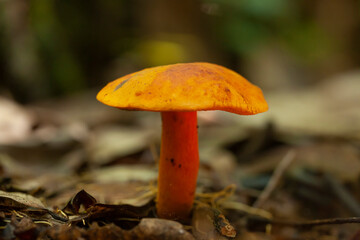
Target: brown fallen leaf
pixel 19 200
pixel 63 232
pixel 27 205
pixel 85 208
pixel 114 213
pixel 25 228
pixel 155 228
pixel 148 228
pixel 256 236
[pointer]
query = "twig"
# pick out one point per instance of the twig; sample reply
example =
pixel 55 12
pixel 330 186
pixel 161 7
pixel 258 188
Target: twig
pixel 154 152
pixel 313 223
pixel 275 179
pixel 247 209
pixel 343 194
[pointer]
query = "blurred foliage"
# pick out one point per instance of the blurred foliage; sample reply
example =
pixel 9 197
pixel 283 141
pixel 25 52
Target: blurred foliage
pixel 248 24
pixel 64 70
pixel 71 43
pixel 161 52
pixel 50 48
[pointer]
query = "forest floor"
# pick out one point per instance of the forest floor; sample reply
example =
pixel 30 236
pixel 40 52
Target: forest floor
pixel 76 169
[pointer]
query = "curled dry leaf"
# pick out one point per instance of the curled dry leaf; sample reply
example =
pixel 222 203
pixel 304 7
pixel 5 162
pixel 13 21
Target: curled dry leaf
pixel 85 208
pixel 82 201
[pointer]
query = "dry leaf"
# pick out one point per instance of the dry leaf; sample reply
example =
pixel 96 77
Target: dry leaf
pixel 19 200
pixel 147 229
pixel 113 142
pixel 15 122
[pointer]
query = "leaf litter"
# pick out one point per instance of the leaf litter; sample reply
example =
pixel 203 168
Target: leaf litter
pixel 94 177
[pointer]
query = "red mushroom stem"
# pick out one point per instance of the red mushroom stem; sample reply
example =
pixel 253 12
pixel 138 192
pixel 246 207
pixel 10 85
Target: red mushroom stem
pixel 178 166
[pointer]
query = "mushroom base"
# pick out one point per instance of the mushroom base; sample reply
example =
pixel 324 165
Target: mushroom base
pixel 178 165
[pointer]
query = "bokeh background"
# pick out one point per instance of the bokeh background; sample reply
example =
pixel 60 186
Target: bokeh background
pixel 305 56
pixel 54 48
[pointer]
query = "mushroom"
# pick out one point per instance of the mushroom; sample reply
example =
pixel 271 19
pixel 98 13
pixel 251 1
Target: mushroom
pixel 178 91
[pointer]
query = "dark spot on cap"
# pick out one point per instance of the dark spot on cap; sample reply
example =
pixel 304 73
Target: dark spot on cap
pixel 179 165
pixel 138 93
pixel 121 84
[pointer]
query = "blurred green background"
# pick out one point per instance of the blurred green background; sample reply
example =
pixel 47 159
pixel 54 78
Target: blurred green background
pixel 54 48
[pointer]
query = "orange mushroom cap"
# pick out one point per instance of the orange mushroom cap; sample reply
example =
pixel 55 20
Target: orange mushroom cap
pixel 184 87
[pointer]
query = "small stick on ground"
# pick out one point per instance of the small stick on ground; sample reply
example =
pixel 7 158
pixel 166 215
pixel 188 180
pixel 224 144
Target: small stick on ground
pixel 275 179
pixel 343 194
pixel 246 209
pixel 318 222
